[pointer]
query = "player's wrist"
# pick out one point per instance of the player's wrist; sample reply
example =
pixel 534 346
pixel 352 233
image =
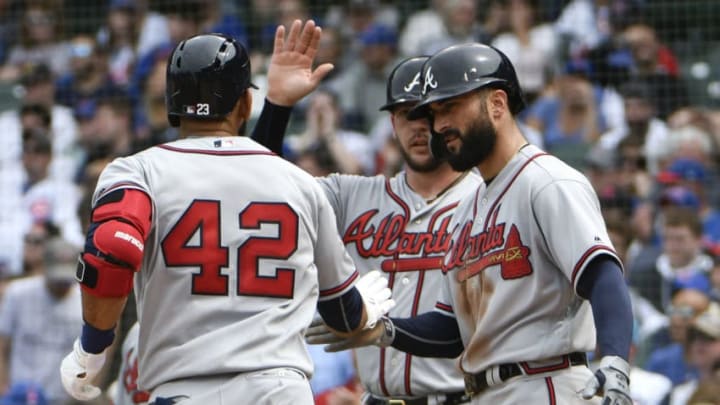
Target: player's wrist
pixel 94 340
pixel 387 329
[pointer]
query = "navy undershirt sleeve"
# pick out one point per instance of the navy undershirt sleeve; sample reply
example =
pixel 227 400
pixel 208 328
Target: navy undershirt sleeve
pixel 603 284
pixel 270 128
pixel 342 313
pixel 431 334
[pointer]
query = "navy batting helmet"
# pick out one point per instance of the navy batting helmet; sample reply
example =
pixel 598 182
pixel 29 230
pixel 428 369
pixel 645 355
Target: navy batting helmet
pixel 405 83
pixel 459 69
pixel 206 75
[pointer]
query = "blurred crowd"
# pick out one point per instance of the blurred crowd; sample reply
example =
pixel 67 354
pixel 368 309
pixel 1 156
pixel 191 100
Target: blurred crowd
pixel 610 91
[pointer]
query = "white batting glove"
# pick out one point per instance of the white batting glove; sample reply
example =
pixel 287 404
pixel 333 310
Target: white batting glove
pixel 611 381
pixel 376 296
pixel 78 369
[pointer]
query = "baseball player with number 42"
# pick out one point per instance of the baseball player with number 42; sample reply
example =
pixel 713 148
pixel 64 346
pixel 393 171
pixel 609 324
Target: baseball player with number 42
pixel 231 248
pixel 532 282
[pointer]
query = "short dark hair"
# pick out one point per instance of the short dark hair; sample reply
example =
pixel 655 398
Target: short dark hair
pixel 39 110
pixel 682 216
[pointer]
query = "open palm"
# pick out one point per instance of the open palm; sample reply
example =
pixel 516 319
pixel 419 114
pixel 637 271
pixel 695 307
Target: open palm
pixel 290 74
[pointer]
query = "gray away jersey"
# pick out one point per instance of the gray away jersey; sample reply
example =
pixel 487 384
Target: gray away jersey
pixel 386 225
pixel 518 250
pixel 242 245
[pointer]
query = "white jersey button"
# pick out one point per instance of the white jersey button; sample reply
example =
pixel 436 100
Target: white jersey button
pixel 418 221
pixel 484 201
pixel 418 206
pixel 394 362
pixel 405 280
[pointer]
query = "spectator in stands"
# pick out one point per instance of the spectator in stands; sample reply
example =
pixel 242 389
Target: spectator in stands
pixel 89 78
pixel 33 115
pixel 615 201
pixel 703 353
pixel 350 152
pixel 41 41
pixel 670 360
pixel 112 134
pixel 38 83
pixel 425 26
pixel 640 122
pixel 587 24
pixel 353 17
pixel 459 19
pixel 34 243
pixel 531 46
pixel 421 27
pixel 706 120
pixel 683 263
pixel 39 320
pixel 119 37
pixel 656 66
pixel 568 117
pixel 44 199
pixel 217 20
pixel 363 84
pixel 330 50
pixel 583 25
pixel 691 143
pixel 633 176
pixel 694 175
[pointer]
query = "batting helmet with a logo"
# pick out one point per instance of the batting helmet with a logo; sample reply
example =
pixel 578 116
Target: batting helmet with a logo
pixel 206 75
pixel 459 69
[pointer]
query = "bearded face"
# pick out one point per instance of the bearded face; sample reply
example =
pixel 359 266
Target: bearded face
pixel 419 164
pixel 476 144
pixel 412 140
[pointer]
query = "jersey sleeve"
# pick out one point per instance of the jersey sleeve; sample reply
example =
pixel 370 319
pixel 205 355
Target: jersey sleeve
pixel 332 186
pixel 121 173
pixel 568 215
pixel 336 270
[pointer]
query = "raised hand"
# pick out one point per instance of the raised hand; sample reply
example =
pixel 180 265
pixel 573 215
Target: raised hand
pixel 290 74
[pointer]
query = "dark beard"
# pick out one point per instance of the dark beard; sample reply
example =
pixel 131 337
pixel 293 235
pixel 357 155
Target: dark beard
pixel 426 167
pixel 476 146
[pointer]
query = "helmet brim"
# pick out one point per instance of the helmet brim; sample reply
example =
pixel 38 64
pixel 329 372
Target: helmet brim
pixel 421 110
pixel 389 106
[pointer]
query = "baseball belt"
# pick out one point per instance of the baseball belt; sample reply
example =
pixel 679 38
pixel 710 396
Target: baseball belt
pixel 477 383
pixel 451 398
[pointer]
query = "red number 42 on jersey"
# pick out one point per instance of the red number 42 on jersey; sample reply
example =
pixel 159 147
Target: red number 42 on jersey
pixel 210 256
